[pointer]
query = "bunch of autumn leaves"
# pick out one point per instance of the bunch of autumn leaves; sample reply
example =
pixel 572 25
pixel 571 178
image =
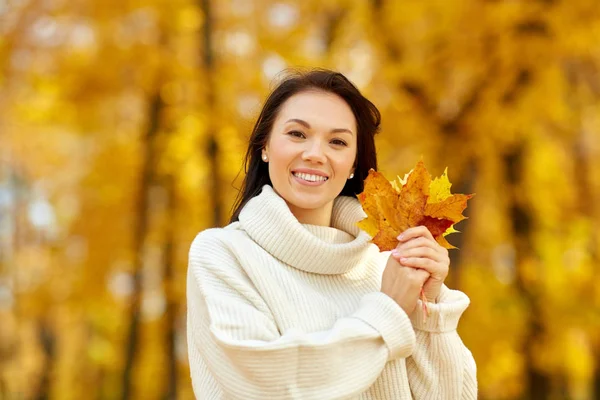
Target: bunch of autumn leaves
pixel 394 206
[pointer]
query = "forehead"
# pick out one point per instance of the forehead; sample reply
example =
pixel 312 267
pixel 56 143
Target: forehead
pixel 317 107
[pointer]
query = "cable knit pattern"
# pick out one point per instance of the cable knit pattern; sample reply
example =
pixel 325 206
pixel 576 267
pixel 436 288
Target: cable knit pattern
pixel 283 310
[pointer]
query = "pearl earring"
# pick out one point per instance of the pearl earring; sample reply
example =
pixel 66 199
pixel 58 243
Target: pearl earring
pixel 264 157
pixel 351 176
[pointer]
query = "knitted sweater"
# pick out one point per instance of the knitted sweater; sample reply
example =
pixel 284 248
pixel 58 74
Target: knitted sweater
pixel 283 310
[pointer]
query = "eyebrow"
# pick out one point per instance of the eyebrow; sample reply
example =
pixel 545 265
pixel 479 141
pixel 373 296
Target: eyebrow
pixel 307 125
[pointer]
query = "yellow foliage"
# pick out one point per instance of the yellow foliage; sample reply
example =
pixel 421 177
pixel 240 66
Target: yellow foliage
pixel 123 126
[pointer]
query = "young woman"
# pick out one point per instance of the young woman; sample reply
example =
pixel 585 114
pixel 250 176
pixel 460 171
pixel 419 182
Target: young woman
pixel 290 300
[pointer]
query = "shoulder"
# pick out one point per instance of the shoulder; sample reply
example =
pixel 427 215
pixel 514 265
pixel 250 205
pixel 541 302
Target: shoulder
pixel 217 239
pixel 217 254
pixel 219 244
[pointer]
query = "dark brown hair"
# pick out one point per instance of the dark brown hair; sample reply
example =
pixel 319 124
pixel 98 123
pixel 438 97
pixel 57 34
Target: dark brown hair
pixel 367 117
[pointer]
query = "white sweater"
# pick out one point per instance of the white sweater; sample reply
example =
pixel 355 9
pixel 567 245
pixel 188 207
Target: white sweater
pixel 283 310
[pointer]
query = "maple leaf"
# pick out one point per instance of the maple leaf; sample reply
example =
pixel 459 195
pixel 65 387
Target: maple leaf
pixel 392 207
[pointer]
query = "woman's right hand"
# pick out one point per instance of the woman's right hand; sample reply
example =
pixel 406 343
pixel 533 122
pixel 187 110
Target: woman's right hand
pixel 403 284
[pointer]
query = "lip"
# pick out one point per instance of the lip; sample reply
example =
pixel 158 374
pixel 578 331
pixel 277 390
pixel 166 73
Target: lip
pixel 310 171
pixel 301 181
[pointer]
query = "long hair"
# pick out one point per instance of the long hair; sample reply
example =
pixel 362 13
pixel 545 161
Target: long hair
pixel 368 120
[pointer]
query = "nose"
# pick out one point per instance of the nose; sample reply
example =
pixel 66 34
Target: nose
pixel 314 152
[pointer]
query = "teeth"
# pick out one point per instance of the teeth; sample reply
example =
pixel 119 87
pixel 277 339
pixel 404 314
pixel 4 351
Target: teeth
pixel 309 177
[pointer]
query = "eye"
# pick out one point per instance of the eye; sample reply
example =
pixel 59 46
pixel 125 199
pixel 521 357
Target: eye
pixel 297 134
pixel 339 142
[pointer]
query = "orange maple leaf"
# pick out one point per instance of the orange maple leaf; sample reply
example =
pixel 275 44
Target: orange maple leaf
pixel 393 207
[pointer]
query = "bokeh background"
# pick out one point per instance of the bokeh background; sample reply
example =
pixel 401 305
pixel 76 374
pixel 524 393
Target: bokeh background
pixel 122 129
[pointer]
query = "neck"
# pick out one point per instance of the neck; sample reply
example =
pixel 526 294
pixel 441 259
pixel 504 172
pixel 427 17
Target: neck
pixel 319 216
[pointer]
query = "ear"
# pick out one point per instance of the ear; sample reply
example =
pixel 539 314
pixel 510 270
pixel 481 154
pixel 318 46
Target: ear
pixel 264 154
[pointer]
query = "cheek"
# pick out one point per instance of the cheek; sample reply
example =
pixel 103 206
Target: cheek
pixel 283 155
pixel 343 163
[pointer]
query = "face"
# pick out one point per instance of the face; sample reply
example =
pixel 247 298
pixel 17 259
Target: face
pixel 311 150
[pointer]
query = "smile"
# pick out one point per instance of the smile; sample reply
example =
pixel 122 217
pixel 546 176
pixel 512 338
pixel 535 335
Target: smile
pixel 309 178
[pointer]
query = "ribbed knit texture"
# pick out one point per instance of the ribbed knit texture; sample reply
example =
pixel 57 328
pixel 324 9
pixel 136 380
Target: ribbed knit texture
pixel 282 310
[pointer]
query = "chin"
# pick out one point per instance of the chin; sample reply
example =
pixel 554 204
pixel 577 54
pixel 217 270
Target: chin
pixel 305 204
pixel 305 198
pixel 309 201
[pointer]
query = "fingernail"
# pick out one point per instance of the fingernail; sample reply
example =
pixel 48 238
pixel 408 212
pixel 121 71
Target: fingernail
pixel 403 259
pixel 400 236
pixel 395 252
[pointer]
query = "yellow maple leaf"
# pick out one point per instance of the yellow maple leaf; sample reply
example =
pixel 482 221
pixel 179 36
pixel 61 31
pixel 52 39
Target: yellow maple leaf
pixel 440 188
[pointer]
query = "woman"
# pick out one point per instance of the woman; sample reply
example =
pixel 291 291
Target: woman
pixel 290 300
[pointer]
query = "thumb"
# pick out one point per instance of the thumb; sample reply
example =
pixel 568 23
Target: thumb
pixel 422 274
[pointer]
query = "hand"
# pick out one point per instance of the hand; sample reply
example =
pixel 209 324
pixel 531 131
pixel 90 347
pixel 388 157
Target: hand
pixel 418 249
pixel 403 284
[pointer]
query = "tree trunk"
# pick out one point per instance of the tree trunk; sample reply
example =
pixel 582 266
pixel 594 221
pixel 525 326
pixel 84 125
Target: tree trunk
pixel 171 310
pixel 212 145
pixel 597 379
pixel 48 341
pixel 538 383
pixel 141 228
pixel 587 207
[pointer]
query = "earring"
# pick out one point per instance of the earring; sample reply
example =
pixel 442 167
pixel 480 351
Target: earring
pixel 351 176
pixel 264 157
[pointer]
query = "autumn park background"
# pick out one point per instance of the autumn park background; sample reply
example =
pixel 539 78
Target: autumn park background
pixel 122 129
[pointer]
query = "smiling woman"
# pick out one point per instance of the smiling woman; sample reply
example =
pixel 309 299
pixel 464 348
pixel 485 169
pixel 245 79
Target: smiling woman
pixel 310 110
pixel 291 300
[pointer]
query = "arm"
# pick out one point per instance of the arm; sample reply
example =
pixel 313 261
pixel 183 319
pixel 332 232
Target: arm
pixel 231 331
pixel 441 367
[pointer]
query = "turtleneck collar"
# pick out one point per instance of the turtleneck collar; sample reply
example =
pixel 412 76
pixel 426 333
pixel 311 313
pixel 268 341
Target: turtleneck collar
pixel 318 249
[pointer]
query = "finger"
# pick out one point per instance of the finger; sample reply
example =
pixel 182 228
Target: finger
pixel 418 273
pixel 414 232
pixel 419 252
pixel 427 264
pixel 420 241
pixel 421 275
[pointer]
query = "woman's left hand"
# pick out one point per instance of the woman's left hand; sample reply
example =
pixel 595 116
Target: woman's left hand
pixel 418 249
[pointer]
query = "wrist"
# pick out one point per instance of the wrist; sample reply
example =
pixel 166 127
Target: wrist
pixel 433 300
pixel 432 294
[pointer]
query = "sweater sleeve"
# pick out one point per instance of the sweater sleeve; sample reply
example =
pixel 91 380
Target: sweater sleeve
pixel 441 366
pixel 232 334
